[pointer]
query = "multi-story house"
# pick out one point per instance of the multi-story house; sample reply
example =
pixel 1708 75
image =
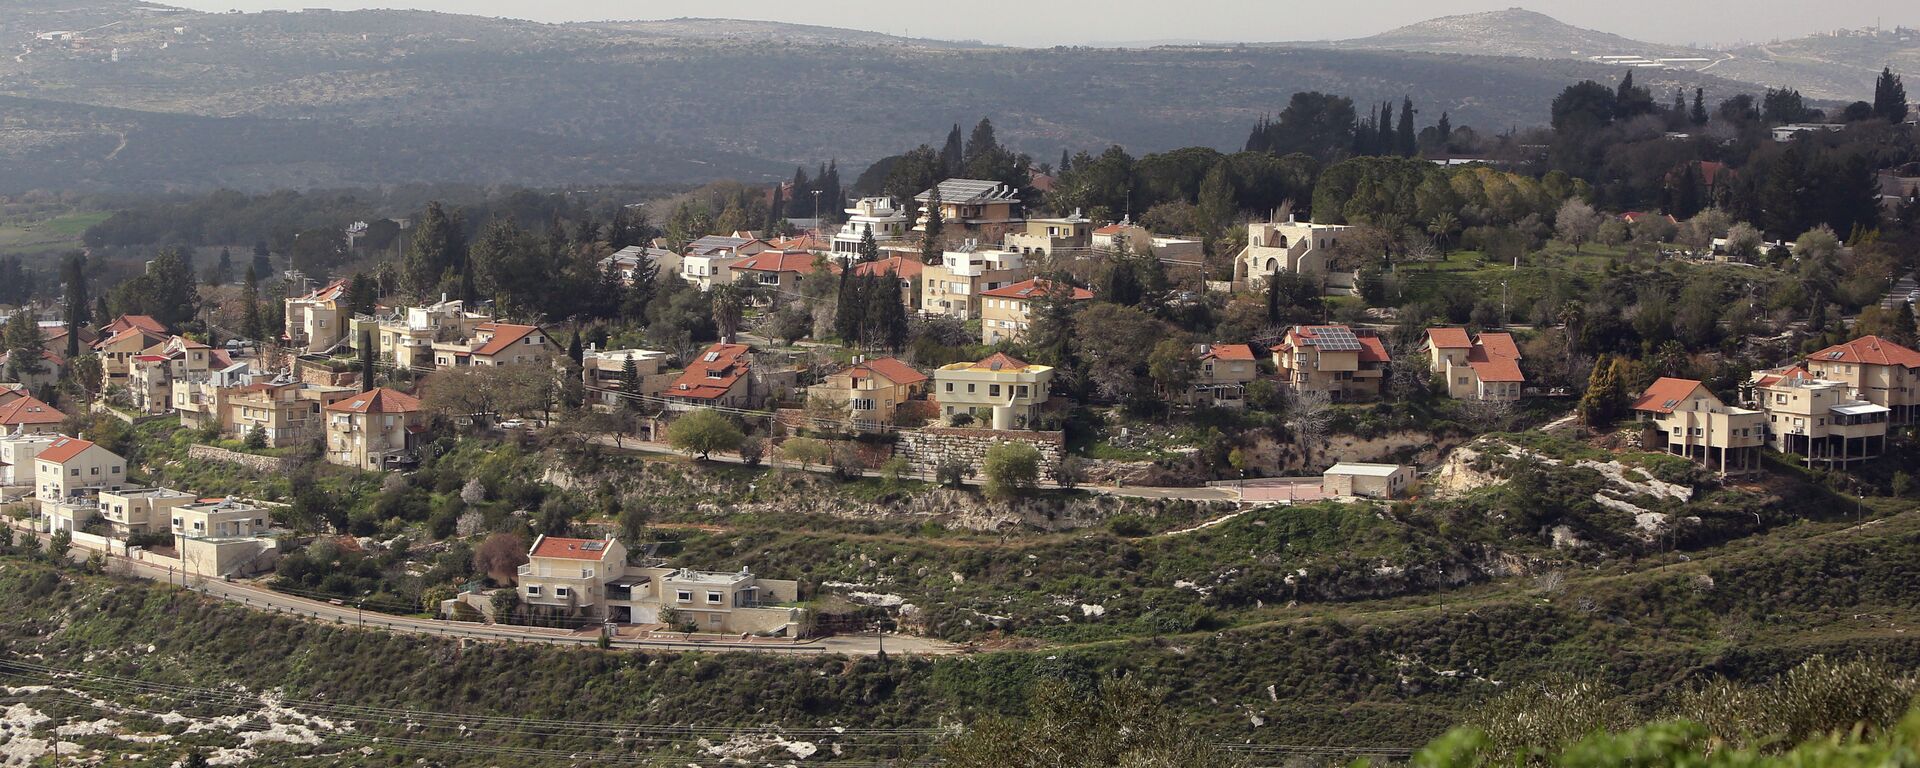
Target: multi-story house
pixel 221 537
pixel 374 430
pixel 497 344
pixel 202 401
pixel 591 578
pixel 1005 312
pixel 28 416
pixel 709 261
pixel 136 511
pixel 777 273
pixel 122 340
pixel 878 215
pixel 628 261
pixel 1879 371
pixel 604 373
pixel 984 209
pixel 1137 239
pixel 1684 418
pixel 17 451
pixel 152 374
pixel 406 337
pixel 287 413
pixel 1001 391
pixel 907 269
pixel 953 286
pixel 1819 419
pixel 69 468
pixel 1484 368
pixel 318 321
pixel 872 390
pixel 1346 364
pixel 1289 246
pixel 1223 373
pixel 720 377
pixel 217 519
pixel 1067 234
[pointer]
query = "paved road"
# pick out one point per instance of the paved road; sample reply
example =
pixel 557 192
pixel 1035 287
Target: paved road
pixel 262 598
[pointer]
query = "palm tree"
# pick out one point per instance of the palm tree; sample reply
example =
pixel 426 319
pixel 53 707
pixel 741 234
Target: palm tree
pixel 1441 228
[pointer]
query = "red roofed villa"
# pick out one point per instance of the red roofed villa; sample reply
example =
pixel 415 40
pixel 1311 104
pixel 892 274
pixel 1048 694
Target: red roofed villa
pixel 374 430
pixel 1879 371
pixel 1345 363
pixel 1486 368
pixel 718 377
pixel 1005 311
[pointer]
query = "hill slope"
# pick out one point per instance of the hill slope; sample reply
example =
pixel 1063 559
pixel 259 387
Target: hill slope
pixel 399 96
pixel 1512 32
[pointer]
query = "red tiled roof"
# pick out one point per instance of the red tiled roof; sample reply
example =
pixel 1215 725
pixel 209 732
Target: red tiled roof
pixel 1449 338
pixel 1664 394
pixel 1000 361
pixel 1868 350
pixel 570 549
pixel 147 338
pixel 65 449
pixel 901 266
pixel 381 400
pixel 1499 345
pixel 1228 352
pixel 142 322
pixel 799 262
pixel 1110 229
pixel 1373 350
pixel 504 335
pixel 29 410
pixel 713 374
pixel 888 368
pixel 1035 288
pixel 328 292
pixel 799 243
pixel 1790 372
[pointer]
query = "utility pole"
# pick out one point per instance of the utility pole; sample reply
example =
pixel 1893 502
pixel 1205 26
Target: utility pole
pixel 816 214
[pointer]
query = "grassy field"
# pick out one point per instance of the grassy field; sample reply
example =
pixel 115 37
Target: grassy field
pixel 36 236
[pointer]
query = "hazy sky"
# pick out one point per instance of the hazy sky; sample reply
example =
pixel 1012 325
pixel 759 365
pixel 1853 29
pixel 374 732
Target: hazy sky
pixel 1053 22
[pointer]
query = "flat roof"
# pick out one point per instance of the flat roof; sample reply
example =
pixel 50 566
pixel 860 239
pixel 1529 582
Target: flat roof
pixel 1859 409
pixel 709 577
pixel 1369 470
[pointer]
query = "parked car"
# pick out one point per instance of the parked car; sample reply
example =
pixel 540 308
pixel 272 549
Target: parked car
pixel 513 424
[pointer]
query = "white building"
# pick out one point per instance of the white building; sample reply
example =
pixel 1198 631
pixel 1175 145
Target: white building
pixel 1375 481
pixel 1289 246
pixel 888 223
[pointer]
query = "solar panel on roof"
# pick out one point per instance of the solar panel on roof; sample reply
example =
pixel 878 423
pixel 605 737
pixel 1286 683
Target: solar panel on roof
pixel 1333 339
pixel 593 546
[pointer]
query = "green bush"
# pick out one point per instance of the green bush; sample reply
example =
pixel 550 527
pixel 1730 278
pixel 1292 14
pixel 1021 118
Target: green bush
pixel 1012 469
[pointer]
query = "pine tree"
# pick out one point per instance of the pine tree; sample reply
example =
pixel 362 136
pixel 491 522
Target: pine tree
pixel 431 253
pixel 1217 204
pixel 575 350
pixel 1445 129
pixel 1889 97
pixel 1624 96
pixel 1387 139
pixel 869 250
pixel 1698 115
pixel 830 194
pixel 1409 141
pixel 893 317
pixel 25 346
pixel 1679 102
pixel 629 382
pixel 74 273
pixel 981 142
pixel 1066 163
pixel 223 271
pixel 776 211
pixel 847 322
pixel 953 156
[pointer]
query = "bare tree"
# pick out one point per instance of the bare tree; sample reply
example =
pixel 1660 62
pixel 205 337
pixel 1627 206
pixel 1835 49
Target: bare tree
pixel 1309 416
pixel 1490 414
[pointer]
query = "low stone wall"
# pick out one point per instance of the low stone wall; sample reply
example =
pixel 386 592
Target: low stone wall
pixel 924 449
pixel 257 463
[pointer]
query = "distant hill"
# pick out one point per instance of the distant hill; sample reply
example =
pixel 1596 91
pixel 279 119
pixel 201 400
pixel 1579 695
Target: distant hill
pixel 139 98
pixel 1837 67
pixel 1512 32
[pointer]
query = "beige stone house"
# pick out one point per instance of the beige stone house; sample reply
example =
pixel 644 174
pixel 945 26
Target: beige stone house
pixel 1224 371
pixel 1819 419
pixel 1482 368
pixel 720 377
pixel 1879 371
pixel 954 286
pixel 1005 312
pixel 1285 246
pixel 153 374
pixel 980 208
pixel 591 577
pixel 318 321
pixel 1347 364
pixel 287 413
pixel 135 511
pixel 374 430
pixel 122 340
pixel 28 416
pixel 70 468
pixel 497 344
pixel 406 337
pixel 602 370
pixel 1067 234
pixel 1681 417
pixel 776 273
pixel 1001 391
pixel 872 390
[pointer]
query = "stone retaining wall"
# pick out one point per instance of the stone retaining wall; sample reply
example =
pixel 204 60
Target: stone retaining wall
pixel 255 462
pixel 924 449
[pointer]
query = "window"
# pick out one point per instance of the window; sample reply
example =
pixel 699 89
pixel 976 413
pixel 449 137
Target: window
pixel 715 598
pixel 562 592
pixel 533 590
pixel 683 595
pixel 863 404
pixel 75 472
pixel 93 470
pixel 969 389
pixel 993 390
pixel 949 386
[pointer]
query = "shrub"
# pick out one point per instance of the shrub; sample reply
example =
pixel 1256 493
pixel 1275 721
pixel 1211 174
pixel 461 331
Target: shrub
pixel 806 451
pixel 703 432
pixel 1012 469
pixel 952 472
pixel 752 449
pixel 256 438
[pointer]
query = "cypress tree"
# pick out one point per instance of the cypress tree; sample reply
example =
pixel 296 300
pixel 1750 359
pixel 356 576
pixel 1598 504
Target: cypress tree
pixel 930 240
pixel 1445 129
pixel 74 270
pixel 1698 116
pixel 1409 142
pixel 575 350
pixel 1889 97
pixel 1066 163
pixel 953 155
pixel 869 250
pixel 1387 140
pixel 366 361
